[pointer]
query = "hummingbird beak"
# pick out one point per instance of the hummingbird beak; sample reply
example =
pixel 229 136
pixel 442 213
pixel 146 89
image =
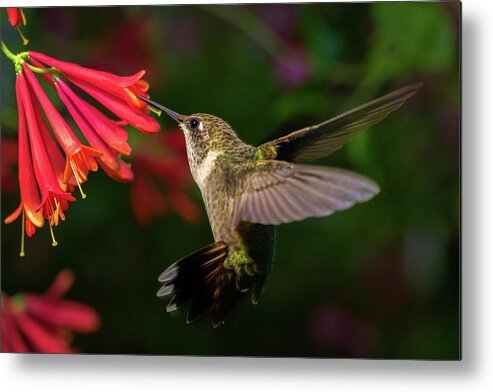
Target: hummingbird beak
pixel 175 116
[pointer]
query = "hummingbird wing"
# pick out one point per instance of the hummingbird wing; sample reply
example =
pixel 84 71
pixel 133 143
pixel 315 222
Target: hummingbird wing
pixel 281 192
pixel 318 141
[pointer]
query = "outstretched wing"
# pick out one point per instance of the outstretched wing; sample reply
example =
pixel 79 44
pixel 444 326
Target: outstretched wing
pixel 281 192
pixel 318 141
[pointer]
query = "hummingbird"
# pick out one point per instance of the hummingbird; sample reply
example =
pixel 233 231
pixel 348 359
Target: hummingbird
pixel 248 190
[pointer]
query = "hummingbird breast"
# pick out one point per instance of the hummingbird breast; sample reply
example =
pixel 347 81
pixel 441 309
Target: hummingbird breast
pixel 204 169
pixel 220 178
pixel 221 175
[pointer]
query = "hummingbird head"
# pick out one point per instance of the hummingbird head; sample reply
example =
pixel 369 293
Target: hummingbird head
pixel 204 133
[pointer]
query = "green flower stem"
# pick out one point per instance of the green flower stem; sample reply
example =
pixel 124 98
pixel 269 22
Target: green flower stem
pixel 10 55
pixel 20 59
pixel 53 71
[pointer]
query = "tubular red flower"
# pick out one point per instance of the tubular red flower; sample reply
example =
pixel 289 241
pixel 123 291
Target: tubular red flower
pixel 11 338
pixel 30 199
pixel 101 135
pixel 138 120
pixel 101 122
pixel 80 158
pixel 56 168
pixel 123 87
pixel 60 285
pixel 40 337
pixel 46 76
pixel 44 322
pixel 54 201
pixel 54 154
pixel 16 16
pixel 125 174
pixel 63 314
pixel 106 130
pixel 108 156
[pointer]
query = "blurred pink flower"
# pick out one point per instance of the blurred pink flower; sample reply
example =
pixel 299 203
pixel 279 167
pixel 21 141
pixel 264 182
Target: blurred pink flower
pixel 292 68
pixel 162 179
pixel 282 18
pixel 343 332
pixel 45 323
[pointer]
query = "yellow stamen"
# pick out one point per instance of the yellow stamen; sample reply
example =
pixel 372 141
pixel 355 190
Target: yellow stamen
pixel 54 212
pixel 23 228
pixel 154 110
pixel 25 41
pixel 77 179
pixel 21 11
pixel 54 243
pixel 136 101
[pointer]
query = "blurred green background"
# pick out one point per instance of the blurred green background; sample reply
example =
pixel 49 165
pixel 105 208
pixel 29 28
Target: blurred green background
pixel 379 280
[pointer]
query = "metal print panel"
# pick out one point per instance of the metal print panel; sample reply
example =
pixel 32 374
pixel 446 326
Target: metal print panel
pixel 240 180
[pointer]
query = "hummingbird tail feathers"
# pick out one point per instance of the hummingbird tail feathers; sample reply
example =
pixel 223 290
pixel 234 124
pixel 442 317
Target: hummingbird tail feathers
pixel 201 281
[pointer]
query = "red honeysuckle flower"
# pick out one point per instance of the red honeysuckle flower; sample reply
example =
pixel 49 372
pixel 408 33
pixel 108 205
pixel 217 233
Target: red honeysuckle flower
pixel 16 16
pixel 80 158
pixel 102 122
pixel 137 119
pixel 63 162
pixel 105 135
pixel 112 134
pixel 107 156
pixel 45 322
pixel 30 200
pixel 54 200
pixel 54 154
pixel 124 87
pixel 125 174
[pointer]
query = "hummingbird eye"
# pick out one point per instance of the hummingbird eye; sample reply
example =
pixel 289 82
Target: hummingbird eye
pixel 194 123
